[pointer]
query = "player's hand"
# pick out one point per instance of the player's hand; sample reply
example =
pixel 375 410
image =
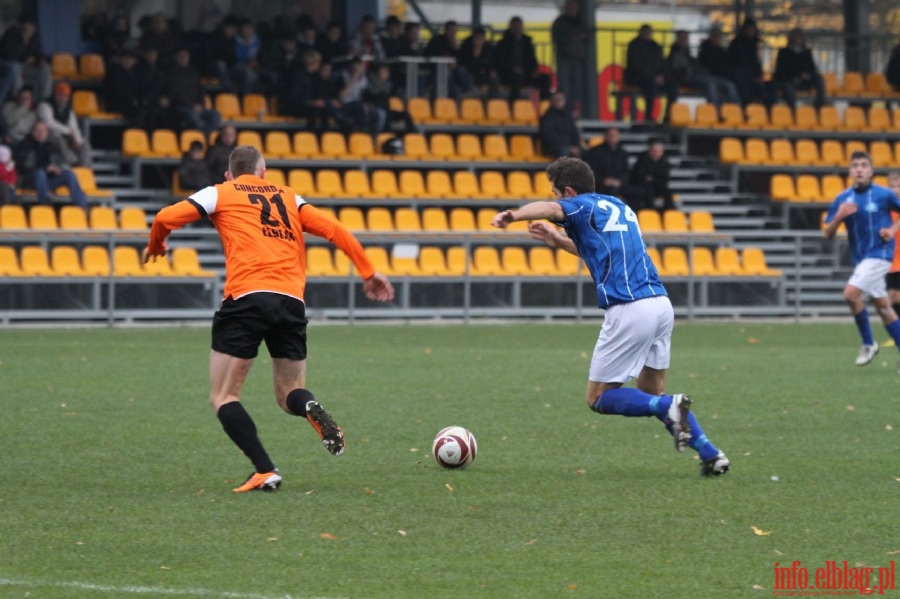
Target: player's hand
pixel 503 219
pixel 146 256
pixel 545 232
pixel 846 209
pixel 885 234
pixel 378 288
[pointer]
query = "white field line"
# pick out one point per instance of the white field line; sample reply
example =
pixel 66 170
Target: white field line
pixel 141 590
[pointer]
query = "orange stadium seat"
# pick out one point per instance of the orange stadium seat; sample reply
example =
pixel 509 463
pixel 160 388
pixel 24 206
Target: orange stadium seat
pixel 442 147
pixel 542 187
pixel 164 143
pixel 493 185
pixel 829 119
pixel 878 119
pixel 445 110
pixel 360 146
pixel 468 147
pixel 91 66
pixel 301 181
pixel 228 105
pixel 356 184
pixel 63 66
pixel 420 110
pixel 806 118
pixel 521 147
pixel 808 189
pixel 465 185
pixel 781 117
pixel 756 151
pixel 831 153
pixel 135 143
pixel 680 115
pixel 523 112
pixel 415 146
pixel 411 184
pixel 854 119
pixel 756 116
pixel 852 84
pixel 649 221
pixel 333 145
pixel 881 154
pixel 833 186
pixel 781 152
pixel 731 151
pixel 438 184
pixel 471 111
pixel 188 136
pixel 806 152
pixel 877 86
pixel 706 116
pixel 701 221
pixel 731 116
pixel 12 216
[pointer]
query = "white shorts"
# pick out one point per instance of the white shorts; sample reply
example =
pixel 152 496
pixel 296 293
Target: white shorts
pixel 633 335
pixel 869 277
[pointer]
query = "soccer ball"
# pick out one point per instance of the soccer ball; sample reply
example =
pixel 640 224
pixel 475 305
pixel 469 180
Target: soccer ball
pixel 454 448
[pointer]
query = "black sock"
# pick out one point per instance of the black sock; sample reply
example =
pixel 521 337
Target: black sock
pixel 896 308
pixel 240 429
pixel 297 399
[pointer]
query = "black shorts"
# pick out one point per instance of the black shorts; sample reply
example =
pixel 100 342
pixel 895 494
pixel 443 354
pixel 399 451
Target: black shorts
pixel 240 325
pixel 892 279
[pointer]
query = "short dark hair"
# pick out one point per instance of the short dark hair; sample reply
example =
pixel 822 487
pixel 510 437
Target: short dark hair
pixel 571 172
pixel 243 160
pixel 860 155
pixel 196 145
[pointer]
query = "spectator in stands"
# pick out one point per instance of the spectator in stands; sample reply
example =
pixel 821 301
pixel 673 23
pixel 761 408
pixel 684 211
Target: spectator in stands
pixel 516 60
pixel 219 54
pixel 687 71
pixel 378 92
pixel 476 55
pixel 245 72
pixel 392 37
pixel 892 70
pixel 305 97
pixel 446 45
pixel 218 152
pixel 153 85
pixel 557 130
pixel 355 113
pixel 20 115
pixel 795 70
pixel 307 34
pixel 332 46
pixel 60 119
pixel 650 174
pixel 8 176
pixel 276 61
pixel 713 56
pixel 366 43
pixel 21 49
pixel 570 42
pixel 747 67
pixel 117 38
pixel 193 170
pixel 42 166
pixel 187 94
pixel 412 40
pixel 121 90
pixel 158 33
pixel 609 162
pixel 646 69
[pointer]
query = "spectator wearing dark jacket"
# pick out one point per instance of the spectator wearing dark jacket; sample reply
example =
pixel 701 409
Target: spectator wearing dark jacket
pixel 795 70
pixel 446 45
pixel 650 173
pixel 645 68
pixel 516 59
pixel 892 70
pixel 687 71
pixel 713 55
pixel 748 72
pixel 122 92
pixel 476 55
pixel 42 167
pixel 558 132
pixel 609 161
pixel 570 37
pixel 193 170
pixel 21 49
pixel 218 153
pixel 187 94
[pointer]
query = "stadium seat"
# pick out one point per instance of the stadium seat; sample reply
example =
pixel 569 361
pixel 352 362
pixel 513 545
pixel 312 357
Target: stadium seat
pixel 465 185
pixel 854 119
pixel 680 115
pixel 486 262
pixel 34 262
pixel 468 147
pixel 379 220
pixel 415 146
pixel 275 176
pixel 360 146
pixel 406 220
pixel 808 189
pixel 380 259
pixel 255 107
pixel 731 151
pixel 832 83
pixel 102 218
pixel 829 119
pixel 42 218
pixel 249 137
pixel 458 262
pixel 878 119
pixel 831 153
pixel 706 117
pixel 675 261
pixel 702 264
pixel 435 220
pixel 319 262
pixel 352 218
pixel 85 104
pixel 674 221
pixel 541 261
pixel 136 143
pixel 520 185
pixel 753 261
pixel 63 66
pixel 411 184
pixel 65 262
pixel 278 145
pixel 524 112
pixel 521 148
pixel 432 262
pixel 492 184
pixel 12 216
pixel 438 184
pixel 384 184
pixel 132 219
pixel 497 112
pixel 9 262
pixel 306 145
pixel 301 181
pixel 495 147
pixel 656 259
pixel 877 86
pixel 756 151
pixel 442 147
pixel 471 111
pixel 852 146
pixel 649 221
pixel 881 154
pixel 73 218
pixel 462 220
pixel 186 263
pixel 701 221
pixel 781 152
pixel 781 188
pixel 514 261
pixel 731 116
pixel 567 265
pixel 756 116
pixel 806 118
pixel 852 84
pixel 333 145
pixel 445 111
pixel 229 106
pixel 164 144
pixel 405 264
pixel 188 136
pixel 542 187
pixel 420 110
pixel 728 262
pixel 329 184
pixel 95 261
pixel 91 66
pixel 806 152
pixel 781 118
pixel 833 186
pixel 356 184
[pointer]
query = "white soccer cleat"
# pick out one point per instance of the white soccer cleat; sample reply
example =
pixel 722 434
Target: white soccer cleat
pixel 678 419
pixel 866 354
pixel 717 466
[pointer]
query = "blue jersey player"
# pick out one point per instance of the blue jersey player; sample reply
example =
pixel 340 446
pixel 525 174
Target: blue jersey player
pixel 866 210
pixel 636 336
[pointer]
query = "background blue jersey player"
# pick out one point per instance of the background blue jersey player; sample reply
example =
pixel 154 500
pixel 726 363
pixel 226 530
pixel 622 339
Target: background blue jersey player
pixel 866 210
pixel 636 337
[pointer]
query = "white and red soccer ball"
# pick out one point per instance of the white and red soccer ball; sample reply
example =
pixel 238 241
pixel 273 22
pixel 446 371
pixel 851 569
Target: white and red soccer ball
pixel 454 448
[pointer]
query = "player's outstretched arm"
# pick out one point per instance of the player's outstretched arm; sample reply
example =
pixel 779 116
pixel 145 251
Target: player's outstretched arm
pixel 378 288
pixel 532 211
pixel 550 235
pixel 167 220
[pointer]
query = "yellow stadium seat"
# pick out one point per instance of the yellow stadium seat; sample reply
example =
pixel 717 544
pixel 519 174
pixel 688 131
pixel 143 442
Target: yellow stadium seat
pixel 457 261
pixel 701 221
pixel 438 184
pixel 680 115
pixel 853 146
pixel 73 218
pixel 333 145
pixel 675 221
pixel 380 259
pixel 675 261
pixel 808 189
pixel 462 219
pixel 432 262
pixel 483 218
pixel 132 219
pixel 829 120
pixel 352 218
pixel 186 263
pixel 853 84
pixel 406 220
pixel 806 118
pixel 753 261
pixel 542 187
pixel 248 137
pixel 356 184
pixel 781 152
pixel 781 188
pixel 95 261
pixel 831 153
pixel 878 119
pixel 833 186
pixel 301 181
pixel 228 106
pixel 275 176
pixel 415 146
pixel 497 112
pixel 876 85
pixel 319 262
pixel 160 267
pixel 514 261
pixel 420 110
pixel 34 262
pixel 404 264
pixel 188 136
pixel 707 117
pixel 306 145
pixel 379 220
pixel 435 220
pixel 567 265
pixel 136 143
pixel 63 66
pixel 495 147
pixel 728 262
pixel 756 151
pixel 411 184
pixel 520 185
pixel 854 119
pixel 9 262
pixel 468 147
pixel 441 147
pixel 731 116
pixel 492 184
pixel 649 221
pixel 656 259
pixel 445 110
pixel 12 216
pixel 465 185
pixel 360 146
pixel 832 84
pixel 541 261
pixel 781 118
pixel 471 111
pixel 86 104
pixel 881 154
pixel 102 218
pixel 65 262
pixel 88 183
pixel 486 262
pixel 384 184
pixel 278 145
pixel 42 218
pixel 756 116
pixel 329 184
pixel 91 66
pixel 521 148
pixel 164 144
pixel 702 264
pixel 731 151
pixel 806 152
pixel 524 112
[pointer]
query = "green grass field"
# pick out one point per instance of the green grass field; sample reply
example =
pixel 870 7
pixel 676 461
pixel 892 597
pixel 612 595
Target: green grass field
pixel 116 476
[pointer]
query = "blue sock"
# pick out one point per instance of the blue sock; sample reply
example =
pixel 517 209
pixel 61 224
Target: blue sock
pixel 699 442
pixel 865 329
pixel 629 402
pixel 893 330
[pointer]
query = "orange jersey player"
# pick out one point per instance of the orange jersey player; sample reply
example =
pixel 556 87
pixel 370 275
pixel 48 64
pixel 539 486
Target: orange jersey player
pixel 261 226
